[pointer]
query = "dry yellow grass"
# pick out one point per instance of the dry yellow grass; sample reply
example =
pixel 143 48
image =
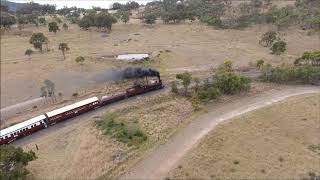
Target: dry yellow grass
pixel 270 143
pixel 191 45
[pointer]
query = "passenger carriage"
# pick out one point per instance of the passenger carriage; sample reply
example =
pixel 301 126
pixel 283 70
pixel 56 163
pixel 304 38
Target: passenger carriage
pixel 72 110
pixel 22 129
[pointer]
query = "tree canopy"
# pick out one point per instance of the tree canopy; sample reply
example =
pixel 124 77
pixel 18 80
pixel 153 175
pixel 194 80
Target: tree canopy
pixel 35 8
pixel 13 161
pixel 221 14
pixel 7 19
pixel 53 27
pixel 128 6
pixel 64 47
pixel 38 39
pixel 268 38
pixel 48 89
pixel 100 20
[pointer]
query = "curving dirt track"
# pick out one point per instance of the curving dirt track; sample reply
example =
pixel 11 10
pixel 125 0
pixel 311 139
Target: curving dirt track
pixel 166 157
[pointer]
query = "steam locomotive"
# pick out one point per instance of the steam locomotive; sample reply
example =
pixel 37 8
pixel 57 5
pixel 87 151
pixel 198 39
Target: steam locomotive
pixel 47 119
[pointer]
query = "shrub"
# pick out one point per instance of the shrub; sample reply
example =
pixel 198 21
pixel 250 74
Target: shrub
pixel 231 83
pixel 65 26
pixel 186 80
pixel 236 162
pixel 174 87
pixel 260 63
pixel 211 20
pixel 42 20
pixel 227 66
pixel 278 47
pixel 80 59
pixel 28 52
pixel 209 94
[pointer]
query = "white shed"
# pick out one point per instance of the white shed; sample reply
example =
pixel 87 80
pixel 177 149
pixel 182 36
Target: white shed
pixel 132 57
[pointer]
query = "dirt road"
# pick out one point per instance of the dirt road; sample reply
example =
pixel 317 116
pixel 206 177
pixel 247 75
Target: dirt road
pixel 7 112
pixel 167 156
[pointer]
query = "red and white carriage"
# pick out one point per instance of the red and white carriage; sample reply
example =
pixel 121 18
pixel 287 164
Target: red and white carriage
pixel 72 110
pixel 22 129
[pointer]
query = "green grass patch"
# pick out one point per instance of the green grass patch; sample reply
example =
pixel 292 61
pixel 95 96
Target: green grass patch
pixel 128 133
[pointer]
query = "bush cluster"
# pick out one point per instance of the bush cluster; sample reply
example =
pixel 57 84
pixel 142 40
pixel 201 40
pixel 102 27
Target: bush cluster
pixel 290 73
pixel 100 20
pixel 123 132
pixel 231 83
pixel 224 81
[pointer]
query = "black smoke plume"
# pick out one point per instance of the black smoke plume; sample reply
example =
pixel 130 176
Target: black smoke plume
pixel 127 73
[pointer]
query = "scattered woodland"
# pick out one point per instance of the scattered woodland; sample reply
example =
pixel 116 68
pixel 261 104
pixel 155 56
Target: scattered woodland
pixel 222 80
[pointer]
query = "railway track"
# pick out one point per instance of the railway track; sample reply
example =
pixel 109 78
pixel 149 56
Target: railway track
pixel 83 118
pixel 47 119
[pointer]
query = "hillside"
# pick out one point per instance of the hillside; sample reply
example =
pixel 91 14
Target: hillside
pixel 13 6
